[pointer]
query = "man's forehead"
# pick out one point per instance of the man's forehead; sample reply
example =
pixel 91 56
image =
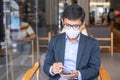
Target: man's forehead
pixel 72 21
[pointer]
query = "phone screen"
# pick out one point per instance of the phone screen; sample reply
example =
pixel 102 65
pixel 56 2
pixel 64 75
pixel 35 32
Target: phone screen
pixel 66 71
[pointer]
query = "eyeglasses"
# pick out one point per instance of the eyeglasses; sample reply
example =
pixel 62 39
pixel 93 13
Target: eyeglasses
pixel 68 26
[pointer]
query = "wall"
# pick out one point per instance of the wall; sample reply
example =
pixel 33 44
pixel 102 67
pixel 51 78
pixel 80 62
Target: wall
pixel 51 12
pixel 115 4
pixel 85 5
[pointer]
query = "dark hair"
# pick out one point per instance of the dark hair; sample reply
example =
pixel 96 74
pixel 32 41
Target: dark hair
pixel 74 12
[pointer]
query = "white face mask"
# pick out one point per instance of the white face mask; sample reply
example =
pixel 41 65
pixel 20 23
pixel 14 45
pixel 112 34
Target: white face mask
pixel 71 33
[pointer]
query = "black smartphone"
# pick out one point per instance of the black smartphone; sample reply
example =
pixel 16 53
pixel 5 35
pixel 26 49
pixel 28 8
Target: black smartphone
pixel 66 71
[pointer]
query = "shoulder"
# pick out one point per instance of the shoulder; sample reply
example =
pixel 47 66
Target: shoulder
pixel 58 36
pixel 89 39
pixel 24 25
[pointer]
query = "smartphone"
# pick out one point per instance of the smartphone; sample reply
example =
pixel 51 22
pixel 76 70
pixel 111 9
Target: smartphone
pixel 66 71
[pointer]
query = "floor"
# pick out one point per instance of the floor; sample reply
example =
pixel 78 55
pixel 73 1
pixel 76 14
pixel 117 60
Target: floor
pixel 111 64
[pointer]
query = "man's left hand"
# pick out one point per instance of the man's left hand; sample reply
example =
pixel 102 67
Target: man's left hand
pixel 73 74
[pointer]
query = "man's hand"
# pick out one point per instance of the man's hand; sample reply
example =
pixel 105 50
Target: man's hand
pixel 73 74
pixel 24 39
pixel 57 68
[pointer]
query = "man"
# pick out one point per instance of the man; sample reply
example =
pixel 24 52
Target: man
pixel 21 39
pixel 72 55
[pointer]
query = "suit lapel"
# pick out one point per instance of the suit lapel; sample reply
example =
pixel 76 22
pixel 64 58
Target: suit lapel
pixel 62 48
pixel 81 46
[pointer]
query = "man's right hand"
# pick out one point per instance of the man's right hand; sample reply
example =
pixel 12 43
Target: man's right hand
pixel 57 68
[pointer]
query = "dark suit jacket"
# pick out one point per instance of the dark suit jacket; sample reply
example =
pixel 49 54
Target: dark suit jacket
pixel 88 57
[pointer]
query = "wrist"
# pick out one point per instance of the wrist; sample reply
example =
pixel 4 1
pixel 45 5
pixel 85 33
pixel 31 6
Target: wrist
pixel 77 74
pixel 50 71
pixel 79 77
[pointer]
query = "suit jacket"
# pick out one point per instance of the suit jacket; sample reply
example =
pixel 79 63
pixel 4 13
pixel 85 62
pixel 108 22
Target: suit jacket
pixel 88 56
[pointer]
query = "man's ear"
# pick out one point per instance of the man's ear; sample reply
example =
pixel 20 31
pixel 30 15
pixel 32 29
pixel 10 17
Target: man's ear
pixel 62 20
pixel 61 24
pixel 83 24
pixel 82 27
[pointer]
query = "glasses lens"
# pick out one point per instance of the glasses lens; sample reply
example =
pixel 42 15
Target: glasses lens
pixel 68 26
pixel 76 27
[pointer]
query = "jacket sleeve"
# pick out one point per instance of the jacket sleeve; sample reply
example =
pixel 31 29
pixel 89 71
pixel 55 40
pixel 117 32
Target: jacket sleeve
pixel 49 59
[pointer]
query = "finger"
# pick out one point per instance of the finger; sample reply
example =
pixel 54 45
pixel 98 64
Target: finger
pixel 56 69
pixel 68 76
pixel 59 65
pixel 75 73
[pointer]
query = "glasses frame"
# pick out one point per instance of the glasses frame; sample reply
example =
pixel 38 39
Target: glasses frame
pixel 69 26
